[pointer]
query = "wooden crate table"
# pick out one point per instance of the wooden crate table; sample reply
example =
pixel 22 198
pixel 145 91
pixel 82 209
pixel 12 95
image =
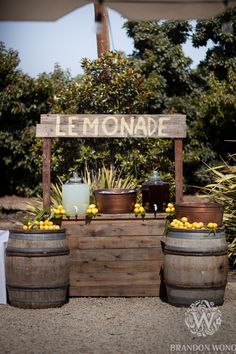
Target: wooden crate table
pixel 115 255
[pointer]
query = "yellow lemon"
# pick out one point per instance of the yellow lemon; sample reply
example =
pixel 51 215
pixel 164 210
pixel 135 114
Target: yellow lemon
pixel 136 210
pixel 94 211
pixel 167 210
pixel 91 206
pixel 137 205
pixel 184 219
pixel 174 224
pixel 25 227
pixel 170 205
pixel 141 209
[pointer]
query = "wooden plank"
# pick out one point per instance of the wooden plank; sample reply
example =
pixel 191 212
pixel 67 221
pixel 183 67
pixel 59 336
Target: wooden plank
pixel 112 282
pixel 46 172
pixel 116 290
pixel 130 254
pixel 120 126
pixel 86 243
pixel 117 217
pixel 178 170
pixel 116 267
pixel 104 229
pixel 102 278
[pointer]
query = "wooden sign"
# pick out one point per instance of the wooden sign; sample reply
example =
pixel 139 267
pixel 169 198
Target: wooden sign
pixel 111 126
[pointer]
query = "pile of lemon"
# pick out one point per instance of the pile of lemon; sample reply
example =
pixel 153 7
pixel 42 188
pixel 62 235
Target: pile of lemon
pixel 170 209
pixel 59 211
pixel 139 209
pixel 41 225
pixel 183 223
pixel 92 211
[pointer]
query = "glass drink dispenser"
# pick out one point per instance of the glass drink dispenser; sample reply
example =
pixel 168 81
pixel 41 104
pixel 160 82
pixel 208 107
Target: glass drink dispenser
pixel 155 193
pixel 75 196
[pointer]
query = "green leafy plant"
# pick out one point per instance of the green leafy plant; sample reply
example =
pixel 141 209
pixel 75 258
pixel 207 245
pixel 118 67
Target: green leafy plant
pixel 108 177
pixel 223 190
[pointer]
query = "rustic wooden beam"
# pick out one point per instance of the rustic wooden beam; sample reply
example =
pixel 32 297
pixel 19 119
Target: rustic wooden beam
pixel 103 40
pixel 46 172
pixel 178 170
pixel 111 126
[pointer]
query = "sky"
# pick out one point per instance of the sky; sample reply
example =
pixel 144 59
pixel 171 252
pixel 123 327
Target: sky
pixel 42 44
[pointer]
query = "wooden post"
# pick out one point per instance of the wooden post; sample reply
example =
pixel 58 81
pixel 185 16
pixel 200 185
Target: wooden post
pixel 178 170
pixel 103 42
pixel 46 172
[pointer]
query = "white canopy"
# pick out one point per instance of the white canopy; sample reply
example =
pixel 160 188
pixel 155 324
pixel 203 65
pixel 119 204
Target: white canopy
pixel 52 10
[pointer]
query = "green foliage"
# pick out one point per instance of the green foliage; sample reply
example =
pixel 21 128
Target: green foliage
pixel 221 57
pixel 20 104
pixel 158 49
pixel 223 190
pixel 108 177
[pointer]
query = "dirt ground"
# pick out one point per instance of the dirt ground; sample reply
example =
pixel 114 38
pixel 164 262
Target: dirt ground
pixel 113 326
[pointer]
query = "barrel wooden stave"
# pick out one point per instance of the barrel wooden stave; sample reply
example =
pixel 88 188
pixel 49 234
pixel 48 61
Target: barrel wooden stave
pixel 37 269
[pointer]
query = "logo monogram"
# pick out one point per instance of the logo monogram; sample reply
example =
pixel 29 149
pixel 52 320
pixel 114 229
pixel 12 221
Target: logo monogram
pixel 202 318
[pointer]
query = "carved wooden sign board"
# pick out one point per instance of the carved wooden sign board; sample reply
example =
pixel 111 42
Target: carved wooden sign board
pixel 111 126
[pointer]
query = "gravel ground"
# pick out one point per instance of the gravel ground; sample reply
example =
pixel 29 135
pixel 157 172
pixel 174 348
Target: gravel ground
pixel 112 326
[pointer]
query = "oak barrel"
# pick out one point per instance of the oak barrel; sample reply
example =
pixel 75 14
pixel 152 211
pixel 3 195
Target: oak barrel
pixel 195 266
pixel 37 268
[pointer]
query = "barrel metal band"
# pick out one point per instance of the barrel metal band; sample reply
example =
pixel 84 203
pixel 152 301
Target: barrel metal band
pixel 31 252
pixel 37 236
pixel 196 253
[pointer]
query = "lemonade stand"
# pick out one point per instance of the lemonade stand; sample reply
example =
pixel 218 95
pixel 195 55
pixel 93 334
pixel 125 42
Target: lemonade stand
pixel 115 254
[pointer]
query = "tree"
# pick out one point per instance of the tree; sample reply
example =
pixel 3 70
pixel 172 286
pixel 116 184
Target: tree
pixel 21 100
pixel 160 55
pixel 221 30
